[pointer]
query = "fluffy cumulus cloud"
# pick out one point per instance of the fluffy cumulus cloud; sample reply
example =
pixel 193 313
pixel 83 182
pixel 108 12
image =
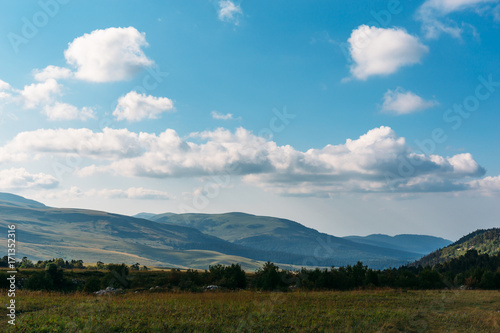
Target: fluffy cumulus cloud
pixel 221 116
pixel 64 111
pixel 433 15
pixel 40 94
pixel 229 11
pixel 108 144
pixel 20 178
pixel 135 107
pixel 487 185
pixel 379 51
pixel 400 102
pixel 44 96
pixel 52 72
pixel 378 161
pixel 106 55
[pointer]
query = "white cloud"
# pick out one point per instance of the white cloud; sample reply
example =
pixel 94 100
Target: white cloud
pixel 378 161
pixel 40 94
pixel 108 144
pixel 378 51
pixel 221 116
pixel 43 96
pixel 135 107
pixel 433 14
pixel 403 102
pixel 20 178
pixel 112 54
pixel 487 186
pixel 4 86
pixel 52 72
pixel 63 111
pixel 229 12
pixel 5 92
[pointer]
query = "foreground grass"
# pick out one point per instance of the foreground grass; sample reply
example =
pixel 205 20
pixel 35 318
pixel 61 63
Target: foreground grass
pixel 245 311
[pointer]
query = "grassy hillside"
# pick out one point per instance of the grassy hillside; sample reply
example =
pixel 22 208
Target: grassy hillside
pixel 92 236
pixel 17 201
pixel 45 232
pixel 483 241
pixel 274 234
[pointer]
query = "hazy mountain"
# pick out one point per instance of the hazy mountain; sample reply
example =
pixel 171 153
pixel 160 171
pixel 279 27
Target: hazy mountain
pixel 185 240
pixel 484 241
pixel 146 216
pixel 420 244
pixel 45 232
pixel 282 235
pixel 15 200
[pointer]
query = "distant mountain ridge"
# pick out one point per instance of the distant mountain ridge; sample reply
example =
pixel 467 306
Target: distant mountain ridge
pixel 482 240
pixel 274 234
pixel 183 240
pixel 420 244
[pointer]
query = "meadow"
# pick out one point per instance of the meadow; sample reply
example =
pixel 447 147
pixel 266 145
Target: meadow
pixel 377 310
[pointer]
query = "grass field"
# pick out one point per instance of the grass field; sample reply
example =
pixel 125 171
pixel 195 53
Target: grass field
pixel 247 311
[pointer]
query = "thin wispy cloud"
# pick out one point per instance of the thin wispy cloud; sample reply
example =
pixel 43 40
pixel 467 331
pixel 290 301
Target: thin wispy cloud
pixel 434 15
pixel 229 11
pixel 221 116
pixel 400 102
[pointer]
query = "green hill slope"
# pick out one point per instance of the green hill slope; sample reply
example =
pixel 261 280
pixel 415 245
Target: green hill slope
pixel 275 234
pixel 17 201
pixel 483 241
pixel 45 232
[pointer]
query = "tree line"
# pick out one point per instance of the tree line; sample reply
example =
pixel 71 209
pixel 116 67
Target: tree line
pixel 472 270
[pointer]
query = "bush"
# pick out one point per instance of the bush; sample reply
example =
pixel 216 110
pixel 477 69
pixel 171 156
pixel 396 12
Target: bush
pixel 92 285
pixel 117 277
pixel 50 279
pixel 270 277
pixel 231 277
pixel 488 280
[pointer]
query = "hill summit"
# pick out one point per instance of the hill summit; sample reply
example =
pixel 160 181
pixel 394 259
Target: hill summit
pixel 484 241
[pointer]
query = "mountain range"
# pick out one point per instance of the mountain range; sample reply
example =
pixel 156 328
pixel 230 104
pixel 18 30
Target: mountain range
pixel 196 240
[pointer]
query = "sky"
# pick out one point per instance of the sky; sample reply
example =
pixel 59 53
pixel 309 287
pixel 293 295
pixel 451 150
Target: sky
pixel 350 117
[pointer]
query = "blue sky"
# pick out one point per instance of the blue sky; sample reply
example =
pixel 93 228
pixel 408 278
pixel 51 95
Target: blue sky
pixel 351 117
